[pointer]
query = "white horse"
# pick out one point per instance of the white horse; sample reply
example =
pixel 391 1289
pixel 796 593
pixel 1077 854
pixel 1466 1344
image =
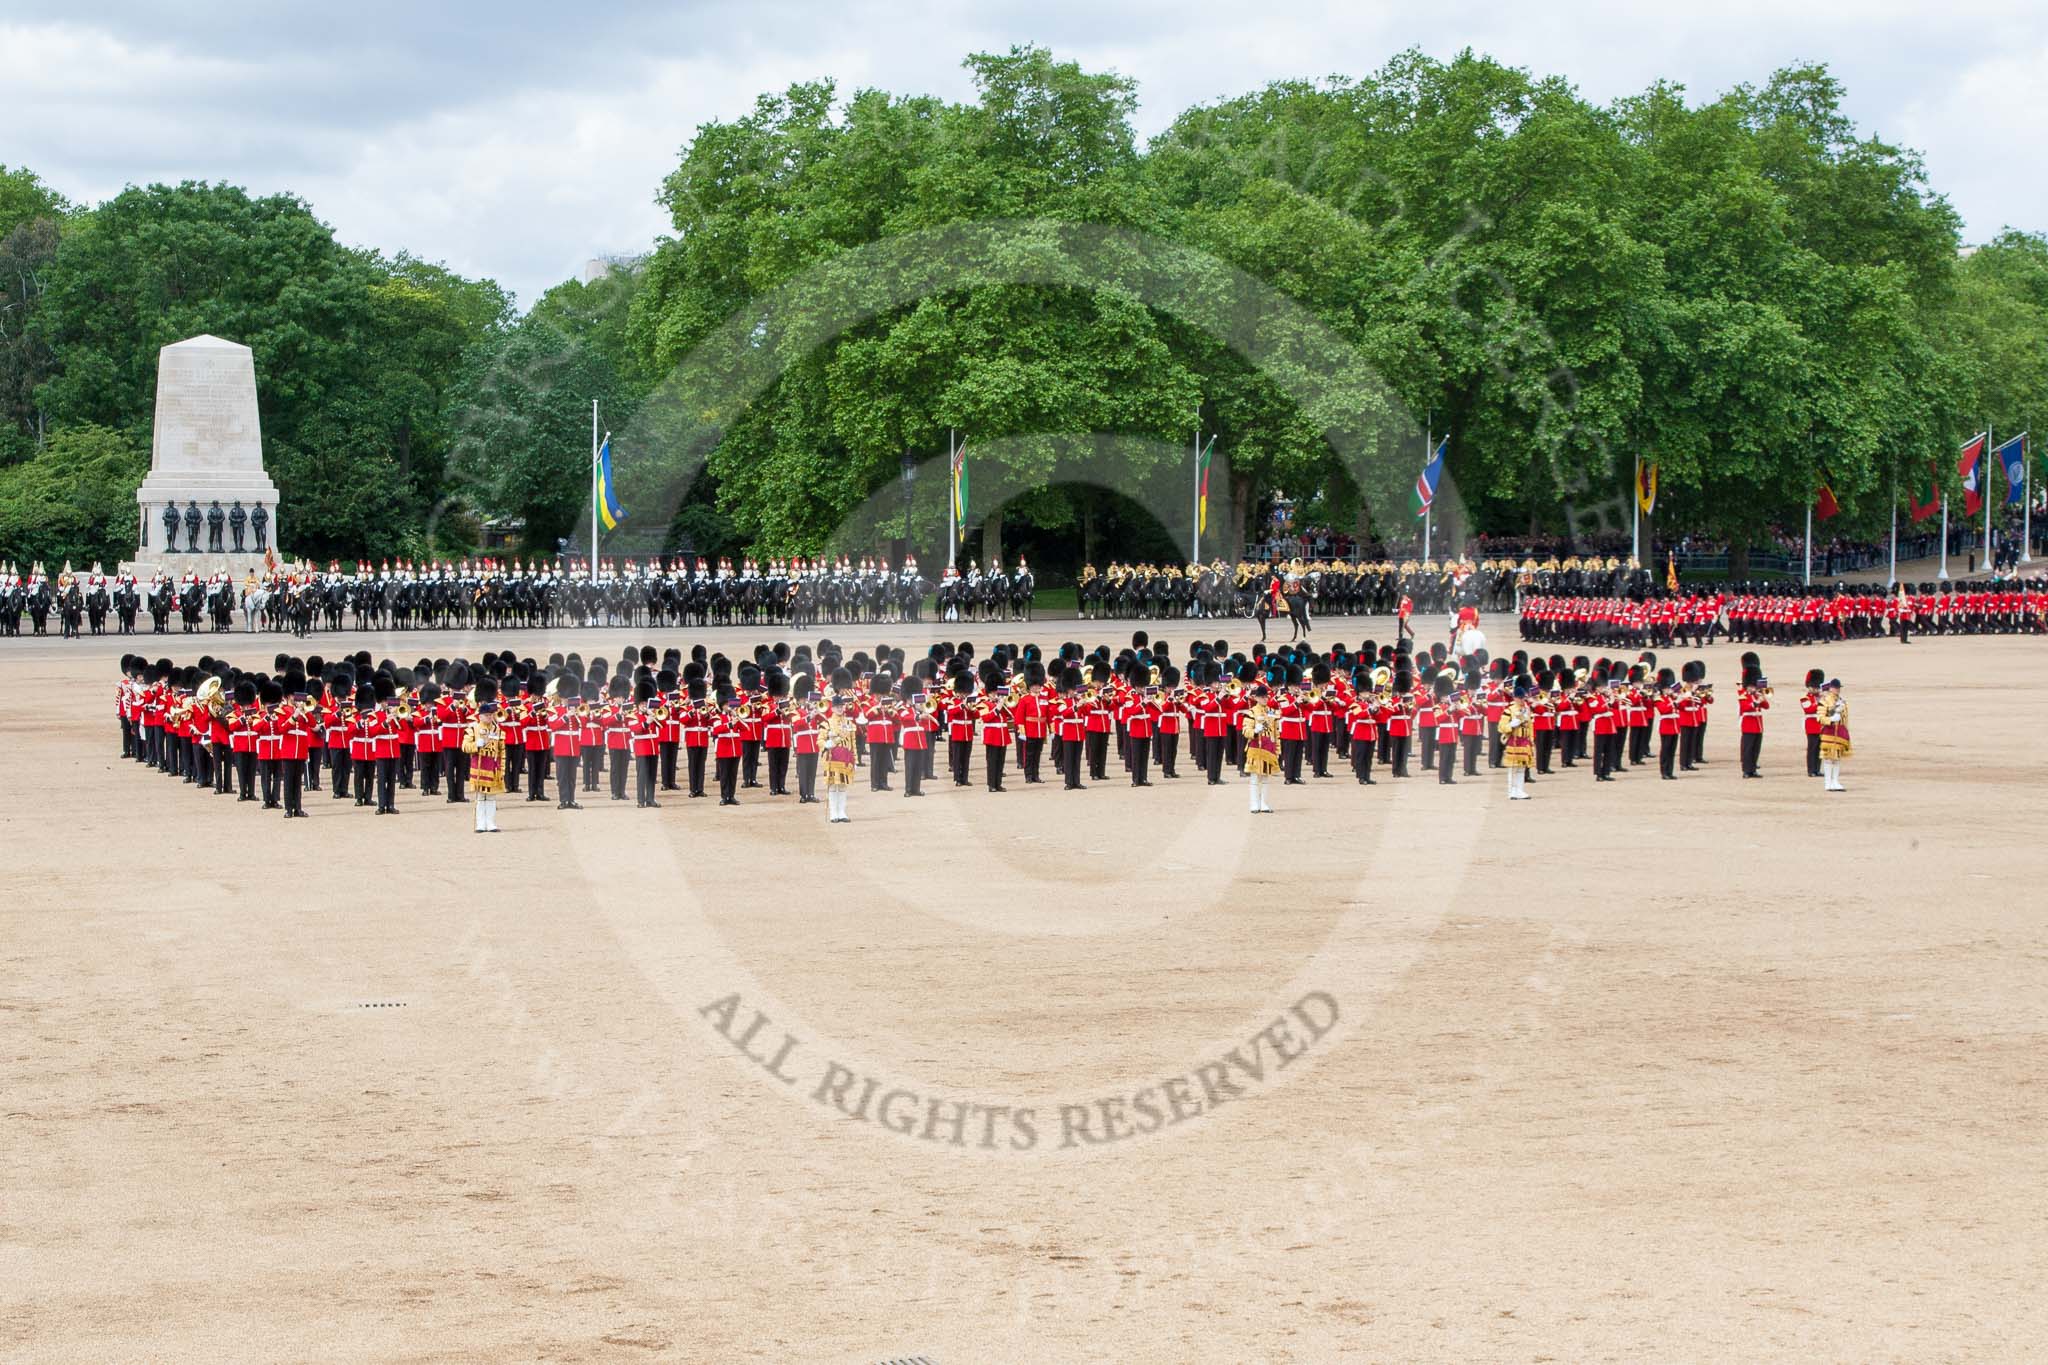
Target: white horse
pixel 254 600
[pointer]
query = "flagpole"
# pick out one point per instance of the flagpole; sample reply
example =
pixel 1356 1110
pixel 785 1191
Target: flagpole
pixel 1428 454
pixel 1195 541
pixel 2026 506
pixel 952 503
pixel 1984 485
pixel 1944 537
pixel 1809 542
pixel 1635 534
pixel 1892 574
pixel 593 490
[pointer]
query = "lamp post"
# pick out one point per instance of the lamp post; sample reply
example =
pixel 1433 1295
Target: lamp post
pixel 909 479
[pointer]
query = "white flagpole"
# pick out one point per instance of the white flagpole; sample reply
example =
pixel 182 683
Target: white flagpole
pixel 952 503
pixel 1635 534
pixel 1428 454
pixel 2026 506
pixel 1809 542
pixel 593 490
pixel 1892 574
pixel 1944 537
pixel 1984 492
pixel 1195 533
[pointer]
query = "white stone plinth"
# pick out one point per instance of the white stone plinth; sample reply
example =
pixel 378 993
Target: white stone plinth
pixel 207 447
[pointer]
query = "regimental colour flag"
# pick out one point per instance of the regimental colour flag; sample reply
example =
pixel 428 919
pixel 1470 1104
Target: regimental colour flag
pixel 1202 487
pixel 1824 504
pixel 960 489
pixel 1921 511
pixel 2013 455
pixel 1426 482
pixel 1646 486
pixel 608 510
pixel 1970 465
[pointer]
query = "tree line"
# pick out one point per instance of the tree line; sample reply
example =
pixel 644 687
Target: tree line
pixel 1746 290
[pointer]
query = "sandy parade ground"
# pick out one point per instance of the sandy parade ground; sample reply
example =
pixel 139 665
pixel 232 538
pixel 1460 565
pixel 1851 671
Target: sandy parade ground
pixel 1706 1070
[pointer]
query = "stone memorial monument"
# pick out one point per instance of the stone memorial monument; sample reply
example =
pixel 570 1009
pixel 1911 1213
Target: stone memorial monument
pixel 206 456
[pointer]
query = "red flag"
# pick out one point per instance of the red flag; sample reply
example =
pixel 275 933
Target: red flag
pixel 1973 483
pixel 1825 505
pixel 1920 511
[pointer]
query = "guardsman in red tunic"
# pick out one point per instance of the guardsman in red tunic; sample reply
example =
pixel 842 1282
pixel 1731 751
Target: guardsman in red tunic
pixel 384 744
pixel 426 737
pixel 776 732
pixel 1139 714
pixel 618 731
pixel 1666 707
pixel 451 717
pixel 565 736
pixel 1032 726
pixel 874 711
pixel 536 736
pixel 643 727
pixel 1212 720
pixel 726 745
pixel 294 723
pixel 1172 720
pixel 992 727
pixel 336 717
pixel 803 723
pixel 670 687
pixel 242 723
pixel 1292 709
pixel 912 733
pixel 960 727
pixel 590 752
pixel 1321 708
pixel 1361 718
pixel 1471 721
pixel 362 759
pixel 696 723
pixel 1751 702
pixel 1070 722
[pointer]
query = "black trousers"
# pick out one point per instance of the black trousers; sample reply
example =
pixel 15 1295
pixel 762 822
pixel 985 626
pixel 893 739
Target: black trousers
pixel 693 762
pixel 430 774
pixel 245 773
pixel 1361 762
pixel 1446 763
pixel 621 760
pixel 993 757
pixel 1397 755
pixel 1813 754
pixel 536 774
pixel 1169 751
pixel 668 764
pixel 1546 740
pixel 1098 755
pixel 1567 747
pixel 778 772
pixel 1688 741
pixel 806 775
pixel 1141 762
pixel 1667 753
pixel 294 787
pixel 1290 760
pixel 881 762
pixel 223 776
pixel 405 755
pixel 1752 750
pixel 1494 749
pixel 1471 745
pixel 644 770
pixel 387 785
pixel 958 752
pixel 313 767
pixel 1319 752
pixel 750 763
pixel 360 774
pixel 728 781
pixel 1070 765
pixel 1214 750
pixel 565 780
pixel 913 772
pixel 457 766
pixel 267 770
pixel 593 765
pixel 1031 751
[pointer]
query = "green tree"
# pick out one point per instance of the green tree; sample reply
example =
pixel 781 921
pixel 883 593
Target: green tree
pixel 74 499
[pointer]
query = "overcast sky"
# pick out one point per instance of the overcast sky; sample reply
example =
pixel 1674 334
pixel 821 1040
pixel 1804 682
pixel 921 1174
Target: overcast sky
pixel 519 139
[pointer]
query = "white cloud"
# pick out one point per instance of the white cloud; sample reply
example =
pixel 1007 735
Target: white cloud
pixel 519 140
